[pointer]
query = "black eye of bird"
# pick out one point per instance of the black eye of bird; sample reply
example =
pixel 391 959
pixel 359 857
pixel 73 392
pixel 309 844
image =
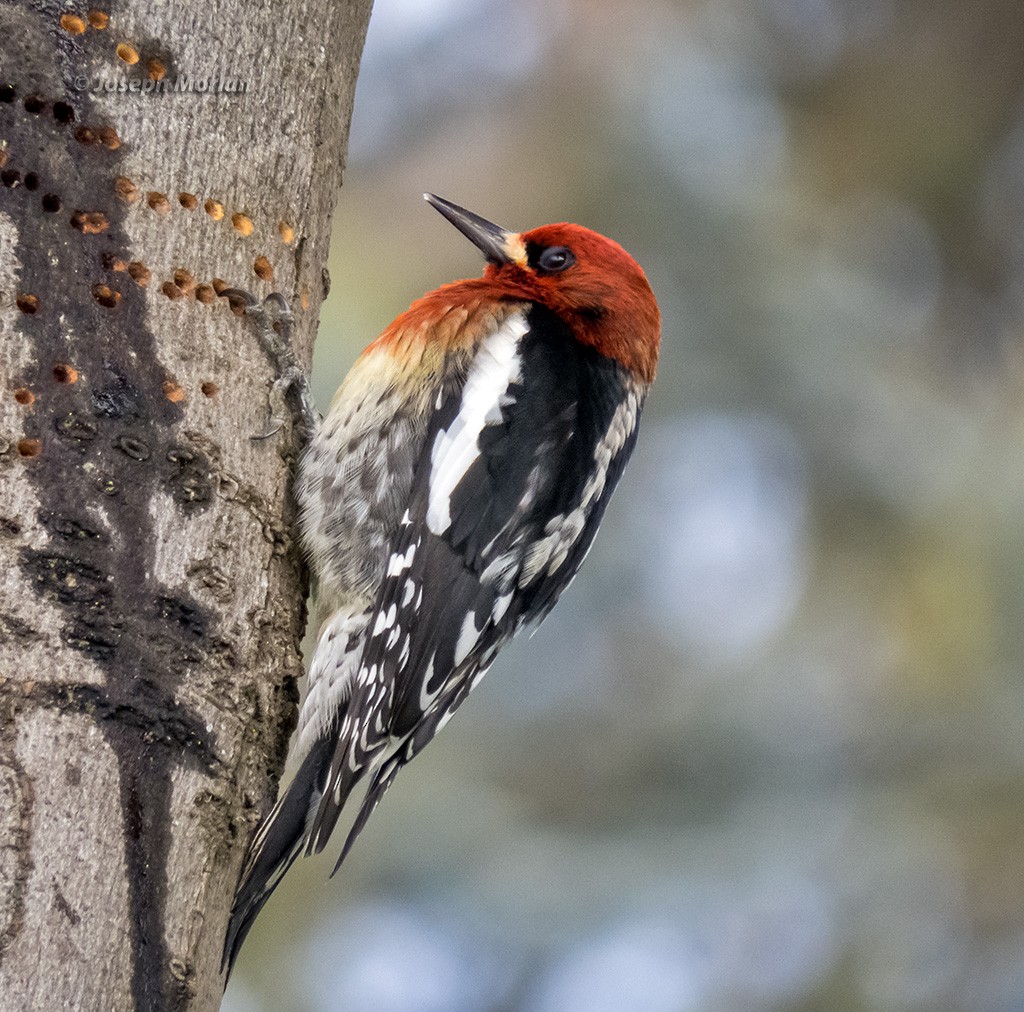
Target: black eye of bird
pixel 554 259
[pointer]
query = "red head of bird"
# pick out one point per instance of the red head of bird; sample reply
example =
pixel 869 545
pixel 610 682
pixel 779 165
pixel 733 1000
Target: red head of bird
pixel 587 279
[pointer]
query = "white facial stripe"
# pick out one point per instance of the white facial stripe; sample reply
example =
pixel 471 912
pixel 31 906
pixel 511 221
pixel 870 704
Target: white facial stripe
pixel 495 368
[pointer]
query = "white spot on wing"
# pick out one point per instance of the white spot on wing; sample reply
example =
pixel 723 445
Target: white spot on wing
pixel 500 569
pixel 445 717
pixel 385 620
pixel 426 697
pixel 500 607
pixel 619 430
pixel 495 368
pixel 401 560
pixel 468 636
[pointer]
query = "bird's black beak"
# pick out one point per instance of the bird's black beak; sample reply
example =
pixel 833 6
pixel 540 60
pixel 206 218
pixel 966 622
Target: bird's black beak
pixel 499 245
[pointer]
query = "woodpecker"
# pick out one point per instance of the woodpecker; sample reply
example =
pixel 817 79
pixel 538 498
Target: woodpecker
pixel 446 501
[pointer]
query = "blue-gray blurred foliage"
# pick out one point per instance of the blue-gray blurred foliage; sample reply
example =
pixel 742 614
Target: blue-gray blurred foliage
pixel 768 752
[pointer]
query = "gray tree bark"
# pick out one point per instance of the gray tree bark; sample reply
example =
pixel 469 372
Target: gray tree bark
pixel 150 592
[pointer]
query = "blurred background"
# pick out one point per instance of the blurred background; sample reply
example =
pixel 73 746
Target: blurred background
pixel 767 753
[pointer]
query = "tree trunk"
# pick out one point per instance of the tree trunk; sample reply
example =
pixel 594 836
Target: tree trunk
pixel 150 592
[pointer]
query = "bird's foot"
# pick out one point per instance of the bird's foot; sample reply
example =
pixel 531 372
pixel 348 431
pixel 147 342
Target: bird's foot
pixel 290 390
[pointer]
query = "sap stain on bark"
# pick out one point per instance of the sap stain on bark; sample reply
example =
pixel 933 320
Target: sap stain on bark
pixel 104 446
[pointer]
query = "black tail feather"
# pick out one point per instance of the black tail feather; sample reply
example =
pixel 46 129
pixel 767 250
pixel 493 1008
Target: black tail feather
pixel 382 780
pixel 276 845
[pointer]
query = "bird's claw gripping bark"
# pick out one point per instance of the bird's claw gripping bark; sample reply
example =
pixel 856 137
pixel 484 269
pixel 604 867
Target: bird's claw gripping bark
pixel 273 319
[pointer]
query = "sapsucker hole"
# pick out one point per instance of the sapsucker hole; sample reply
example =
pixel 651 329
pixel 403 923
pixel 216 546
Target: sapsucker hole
pixel 24 396
pixel 64 373
pixel 106 296
pixel 29 447
pixel 98 19
pixel 74 426
pixel 72 24
pixel 158 202
pixel 174 392
pixel 242 223
pixel 184 281
pixel 90 222
pixel 214 208
pixel 63 113
pixel 85 135
pixel 27 303
pixel 8 93
pixel 108 137
pixel 31 181
pixel 34 104
pixel 126 189
pixel 188 201
pixel 51 203
pixel 134 448
pixel 139 273
pixel 10 178
pixel 127 54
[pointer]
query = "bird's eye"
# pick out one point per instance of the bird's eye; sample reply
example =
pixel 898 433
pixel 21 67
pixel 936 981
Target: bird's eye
pixel 555 259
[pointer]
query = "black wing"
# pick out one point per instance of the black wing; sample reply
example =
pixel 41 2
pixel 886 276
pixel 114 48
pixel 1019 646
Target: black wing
pixel 520 520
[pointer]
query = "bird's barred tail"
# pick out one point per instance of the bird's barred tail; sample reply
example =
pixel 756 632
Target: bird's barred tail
pixel 276 845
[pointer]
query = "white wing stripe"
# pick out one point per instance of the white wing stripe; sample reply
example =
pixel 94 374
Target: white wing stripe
pixel 494 369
